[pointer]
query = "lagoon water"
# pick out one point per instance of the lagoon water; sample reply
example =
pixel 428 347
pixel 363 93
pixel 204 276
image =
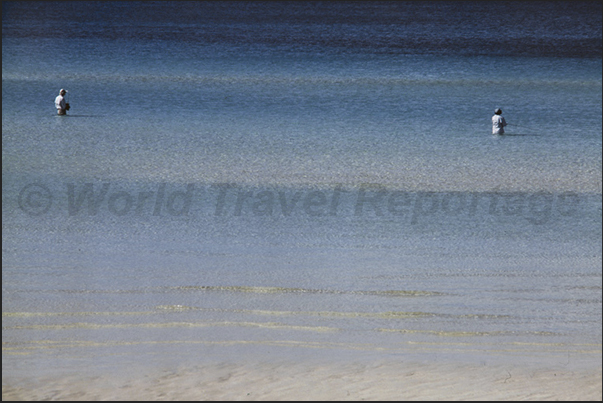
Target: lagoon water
pixel 298 181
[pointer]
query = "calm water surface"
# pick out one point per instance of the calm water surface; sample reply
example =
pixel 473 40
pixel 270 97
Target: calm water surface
pixel 269 181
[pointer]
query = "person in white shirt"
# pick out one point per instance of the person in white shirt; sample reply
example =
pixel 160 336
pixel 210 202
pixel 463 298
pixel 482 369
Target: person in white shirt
pixel 498 122
pixel 60 103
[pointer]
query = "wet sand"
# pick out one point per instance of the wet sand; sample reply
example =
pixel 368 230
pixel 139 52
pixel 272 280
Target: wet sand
pixel 305 381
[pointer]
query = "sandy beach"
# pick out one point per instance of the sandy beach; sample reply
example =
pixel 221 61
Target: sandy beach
pixel 351 381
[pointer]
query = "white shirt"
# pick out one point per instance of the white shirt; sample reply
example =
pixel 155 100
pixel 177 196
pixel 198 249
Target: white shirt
pixel 59 102
pixel 498 124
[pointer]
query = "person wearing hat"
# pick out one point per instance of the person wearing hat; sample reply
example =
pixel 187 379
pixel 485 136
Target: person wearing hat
pixel 498 122
pixel 59 102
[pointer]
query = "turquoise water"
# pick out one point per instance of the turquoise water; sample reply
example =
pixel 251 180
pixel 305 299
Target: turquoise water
pixel 269 183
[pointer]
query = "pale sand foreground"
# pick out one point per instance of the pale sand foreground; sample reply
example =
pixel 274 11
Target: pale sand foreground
pixel 385 381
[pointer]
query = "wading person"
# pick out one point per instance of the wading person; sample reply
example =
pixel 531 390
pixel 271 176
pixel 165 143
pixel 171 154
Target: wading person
pixel 60 103
pixel 498 122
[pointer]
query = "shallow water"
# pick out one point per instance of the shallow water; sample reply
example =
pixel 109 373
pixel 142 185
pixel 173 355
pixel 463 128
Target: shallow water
pixel 327 187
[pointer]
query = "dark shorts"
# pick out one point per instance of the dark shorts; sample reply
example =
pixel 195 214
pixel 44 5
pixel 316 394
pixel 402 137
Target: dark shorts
pixel 62 111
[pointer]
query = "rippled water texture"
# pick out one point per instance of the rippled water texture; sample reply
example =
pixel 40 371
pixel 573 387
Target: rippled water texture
pixel 298 181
